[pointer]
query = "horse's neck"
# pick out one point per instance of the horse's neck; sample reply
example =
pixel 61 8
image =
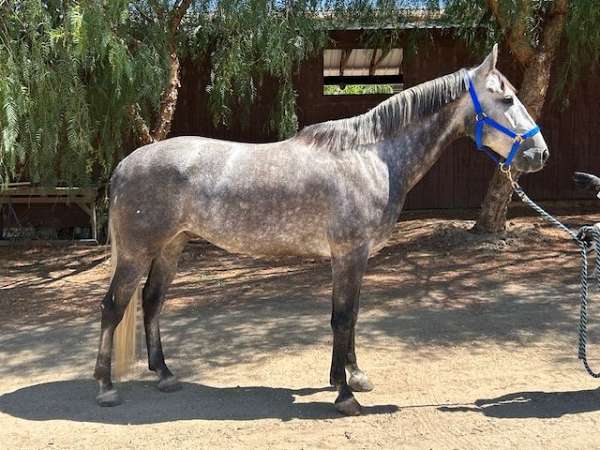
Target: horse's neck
pixel 415 151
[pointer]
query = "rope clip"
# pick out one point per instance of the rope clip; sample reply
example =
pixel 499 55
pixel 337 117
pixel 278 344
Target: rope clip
pixel 506 171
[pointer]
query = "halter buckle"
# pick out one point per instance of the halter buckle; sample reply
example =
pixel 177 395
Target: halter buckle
pixel 480 116
pixel 518 138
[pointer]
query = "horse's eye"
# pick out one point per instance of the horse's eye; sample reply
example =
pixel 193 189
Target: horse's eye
pixel 508 99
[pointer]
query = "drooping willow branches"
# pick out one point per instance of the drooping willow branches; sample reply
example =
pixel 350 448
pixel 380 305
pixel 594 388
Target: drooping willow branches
pixel 80 80
pixel 68 70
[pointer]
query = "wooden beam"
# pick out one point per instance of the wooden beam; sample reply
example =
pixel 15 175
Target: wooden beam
pixel 376 61
pixel 85 208
pixel 42 200
pixel 344 59
pixel 85 194
pixel 372 63
pixel 378 79
pixel 94 223
pixel 384 53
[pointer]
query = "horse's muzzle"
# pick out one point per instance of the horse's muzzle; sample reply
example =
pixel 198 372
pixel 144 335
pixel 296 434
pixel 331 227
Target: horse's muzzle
pixel 532 159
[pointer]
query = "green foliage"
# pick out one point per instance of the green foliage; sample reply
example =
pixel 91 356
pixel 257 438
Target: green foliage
pixel 478 27
pixel 248 40
pixel 68 70
pixel 583 37
pixel 474 23
pixel 359 89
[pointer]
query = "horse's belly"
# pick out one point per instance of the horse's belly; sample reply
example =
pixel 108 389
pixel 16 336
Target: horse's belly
pixel 268 241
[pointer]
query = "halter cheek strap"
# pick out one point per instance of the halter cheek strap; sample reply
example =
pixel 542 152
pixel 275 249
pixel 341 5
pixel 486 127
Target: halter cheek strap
pixel 481 120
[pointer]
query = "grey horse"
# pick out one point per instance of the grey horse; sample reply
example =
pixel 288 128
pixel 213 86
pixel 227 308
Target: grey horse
pixel 334 190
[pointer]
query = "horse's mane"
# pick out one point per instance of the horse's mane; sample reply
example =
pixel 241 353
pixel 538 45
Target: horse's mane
pixel 389 117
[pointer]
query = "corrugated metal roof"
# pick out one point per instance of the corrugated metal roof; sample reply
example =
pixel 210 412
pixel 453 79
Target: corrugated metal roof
pixel 358 62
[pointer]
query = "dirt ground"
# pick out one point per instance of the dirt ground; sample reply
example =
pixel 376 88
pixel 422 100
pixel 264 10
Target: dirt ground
pixel 470 342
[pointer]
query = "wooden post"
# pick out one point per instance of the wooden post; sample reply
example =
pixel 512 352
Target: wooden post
pixel 93 223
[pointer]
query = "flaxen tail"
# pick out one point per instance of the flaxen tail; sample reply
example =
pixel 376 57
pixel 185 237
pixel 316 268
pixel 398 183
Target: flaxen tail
pixel 125 338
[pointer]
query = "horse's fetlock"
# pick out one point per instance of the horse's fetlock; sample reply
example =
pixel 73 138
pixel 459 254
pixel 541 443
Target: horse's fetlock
pixel 107 302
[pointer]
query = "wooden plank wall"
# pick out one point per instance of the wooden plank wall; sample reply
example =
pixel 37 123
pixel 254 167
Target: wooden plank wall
pixel 459 179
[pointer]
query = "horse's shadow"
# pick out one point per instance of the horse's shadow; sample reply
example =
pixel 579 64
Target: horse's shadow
pixel 143 404
pixel 534 404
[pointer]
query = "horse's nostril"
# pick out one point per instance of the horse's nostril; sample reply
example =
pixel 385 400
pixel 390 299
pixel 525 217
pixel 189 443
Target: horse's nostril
pixel 545 154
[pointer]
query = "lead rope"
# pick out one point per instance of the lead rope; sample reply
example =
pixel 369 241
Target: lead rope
pixel 583 293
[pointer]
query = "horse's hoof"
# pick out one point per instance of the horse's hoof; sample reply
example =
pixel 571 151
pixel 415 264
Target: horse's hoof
pixel 359 382
pixel 348 406
pixel 108 398
pixel 169 384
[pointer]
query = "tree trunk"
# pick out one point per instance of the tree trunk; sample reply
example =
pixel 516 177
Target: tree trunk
pixel 143 133
pixel 168 100
pixel 536 79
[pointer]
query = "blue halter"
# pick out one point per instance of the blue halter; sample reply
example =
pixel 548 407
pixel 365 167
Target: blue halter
pixel 482 119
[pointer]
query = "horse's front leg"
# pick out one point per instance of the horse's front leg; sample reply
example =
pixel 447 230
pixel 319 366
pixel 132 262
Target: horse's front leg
pixel 358 382
pixel 348 270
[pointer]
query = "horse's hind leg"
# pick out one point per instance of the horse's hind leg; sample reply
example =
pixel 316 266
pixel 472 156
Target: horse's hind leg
pixel 161 275
pixel 348 270
pixel 128 273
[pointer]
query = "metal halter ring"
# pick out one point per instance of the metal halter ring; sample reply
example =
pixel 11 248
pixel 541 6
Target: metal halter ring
pixel 506 171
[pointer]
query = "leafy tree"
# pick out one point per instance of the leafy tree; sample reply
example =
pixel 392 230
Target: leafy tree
pixel 247 40
pixel 78 77
pixel 68 72
pixel 532 30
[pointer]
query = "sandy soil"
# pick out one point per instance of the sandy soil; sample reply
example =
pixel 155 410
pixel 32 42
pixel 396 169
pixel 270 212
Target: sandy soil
pixel 471 343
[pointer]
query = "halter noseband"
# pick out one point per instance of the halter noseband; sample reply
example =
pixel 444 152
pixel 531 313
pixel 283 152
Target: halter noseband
pixel 481 119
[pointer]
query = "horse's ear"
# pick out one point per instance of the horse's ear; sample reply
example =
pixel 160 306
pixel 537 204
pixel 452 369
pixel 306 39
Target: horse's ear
pixel 489 64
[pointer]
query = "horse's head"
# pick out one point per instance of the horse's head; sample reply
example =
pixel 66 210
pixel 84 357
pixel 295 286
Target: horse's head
pixel 501 122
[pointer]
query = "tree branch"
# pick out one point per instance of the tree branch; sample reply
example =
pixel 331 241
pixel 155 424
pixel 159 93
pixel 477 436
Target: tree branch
pixel 142 14
pixel 536 78
pixel 157 8
pixel 515 33
pixel 168 99
pixel 177 15
pixel 139 124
